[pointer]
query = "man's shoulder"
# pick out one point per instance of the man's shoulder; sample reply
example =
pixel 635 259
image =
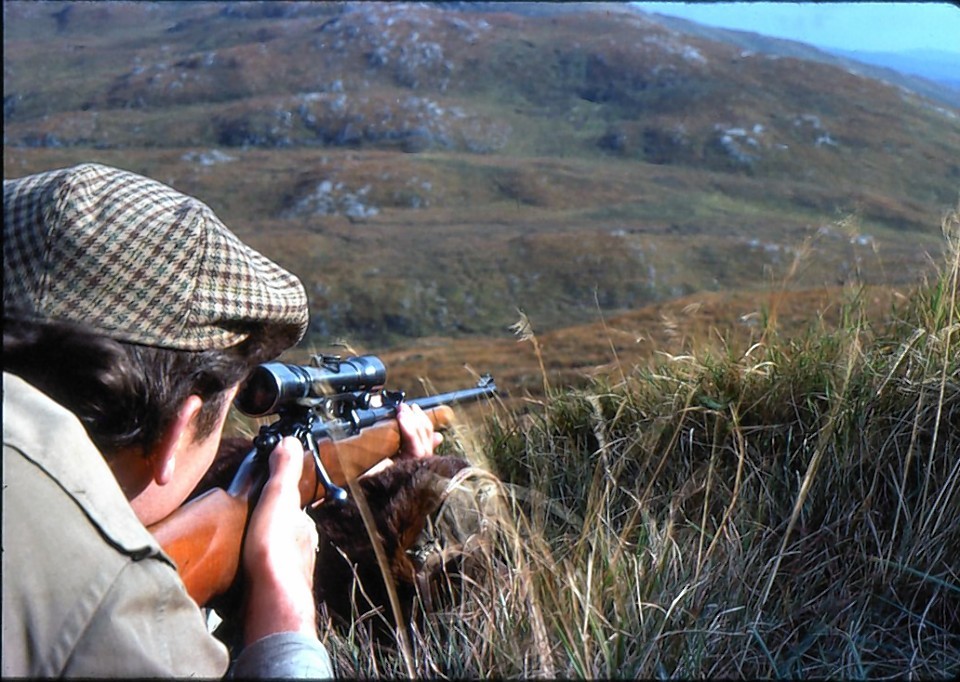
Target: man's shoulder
pixel 73 602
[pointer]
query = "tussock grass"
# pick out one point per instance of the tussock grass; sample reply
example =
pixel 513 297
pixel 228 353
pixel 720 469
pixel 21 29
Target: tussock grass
pixel 788 511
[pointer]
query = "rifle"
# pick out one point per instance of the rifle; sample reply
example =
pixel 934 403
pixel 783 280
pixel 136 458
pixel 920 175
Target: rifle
pixel 344 418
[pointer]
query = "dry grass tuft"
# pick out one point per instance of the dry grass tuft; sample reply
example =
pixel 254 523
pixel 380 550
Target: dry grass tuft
pixel 788 511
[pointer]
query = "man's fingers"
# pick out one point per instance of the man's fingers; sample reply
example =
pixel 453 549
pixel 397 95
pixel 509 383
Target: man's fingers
pixel 313 536
pixel 280 552
pixel 278 518
pixel 418 438
pixel 286 464
pixel 286 467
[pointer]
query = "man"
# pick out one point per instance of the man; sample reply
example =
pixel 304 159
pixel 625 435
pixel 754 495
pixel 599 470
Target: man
pixel 131 315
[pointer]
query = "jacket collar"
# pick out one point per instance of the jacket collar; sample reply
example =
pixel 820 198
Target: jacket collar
pixel 52 437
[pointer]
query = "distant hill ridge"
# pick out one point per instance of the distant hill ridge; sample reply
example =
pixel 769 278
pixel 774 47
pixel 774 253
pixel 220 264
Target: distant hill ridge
pixel 930 73
pixel 932 65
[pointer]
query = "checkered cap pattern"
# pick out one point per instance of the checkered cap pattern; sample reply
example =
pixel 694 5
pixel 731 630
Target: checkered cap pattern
pixel 138 261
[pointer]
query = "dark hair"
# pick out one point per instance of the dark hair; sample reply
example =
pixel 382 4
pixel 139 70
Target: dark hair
pixel 125 394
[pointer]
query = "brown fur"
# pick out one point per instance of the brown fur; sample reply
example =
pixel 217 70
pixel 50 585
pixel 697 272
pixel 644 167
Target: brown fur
pixel 400 498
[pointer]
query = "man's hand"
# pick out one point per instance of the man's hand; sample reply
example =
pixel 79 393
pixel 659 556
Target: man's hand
pixel 417 437
pixel 280 552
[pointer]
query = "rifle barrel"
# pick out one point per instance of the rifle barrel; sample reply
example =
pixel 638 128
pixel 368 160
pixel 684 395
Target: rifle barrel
pixel 363 418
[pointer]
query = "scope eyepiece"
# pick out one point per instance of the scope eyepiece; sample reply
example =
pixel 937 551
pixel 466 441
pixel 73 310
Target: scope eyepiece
pixel 275 385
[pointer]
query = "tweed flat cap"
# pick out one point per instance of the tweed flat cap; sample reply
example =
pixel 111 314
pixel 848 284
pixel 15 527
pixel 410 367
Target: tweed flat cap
pixel 137 261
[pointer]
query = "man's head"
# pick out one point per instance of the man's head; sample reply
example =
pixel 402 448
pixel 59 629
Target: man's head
pixel 137 261
pixel 123 298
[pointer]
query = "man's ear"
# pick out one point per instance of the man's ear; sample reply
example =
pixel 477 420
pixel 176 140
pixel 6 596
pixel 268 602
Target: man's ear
pixel 178 434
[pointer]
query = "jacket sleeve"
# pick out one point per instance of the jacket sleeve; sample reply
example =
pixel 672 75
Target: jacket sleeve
pixel 285 655
pixel 147 626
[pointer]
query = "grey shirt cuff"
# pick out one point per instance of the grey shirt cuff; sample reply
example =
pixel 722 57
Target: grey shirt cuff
pixel 289 655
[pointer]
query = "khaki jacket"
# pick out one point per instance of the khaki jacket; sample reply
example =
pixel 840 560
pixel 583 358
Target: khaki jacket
pixel 86 589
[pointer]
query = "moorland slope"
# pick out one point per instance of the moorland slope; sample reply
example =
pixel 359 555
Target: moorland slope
pixel 429 170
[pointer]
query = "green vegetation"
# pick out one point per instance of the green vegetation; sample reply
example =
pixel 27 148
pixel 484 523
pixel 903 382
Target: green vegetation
pixel 788 511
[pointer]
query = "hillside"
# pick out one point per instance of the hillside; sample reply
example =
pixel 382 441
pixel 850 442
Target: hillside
pixel 428 170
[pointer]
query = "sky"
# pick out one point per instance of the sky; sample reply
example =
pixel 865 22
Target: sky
pixel 861 26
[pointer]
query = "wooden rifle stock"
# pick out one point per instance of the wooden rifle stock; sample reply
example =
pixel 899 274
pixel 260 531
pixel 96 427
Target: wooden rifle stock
pixel 205 536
